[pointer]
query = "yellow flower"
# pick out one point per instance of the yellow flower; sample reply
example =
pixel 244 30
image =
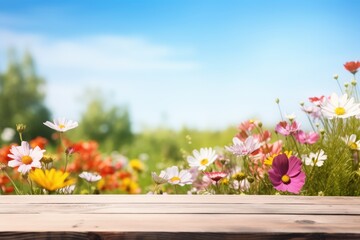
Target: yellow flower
pixel 239 176
pixel 270 159
pixel 101 183
pixel 130 186
pixel 224 181
pixel 52 179
pixel 137 165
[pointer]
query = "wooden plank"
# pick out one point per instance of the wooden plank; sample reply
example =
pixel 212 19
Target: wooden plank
pixel 181 199
pixel 245 223
pixel 173 236
pixel 178 217
pixel 176 208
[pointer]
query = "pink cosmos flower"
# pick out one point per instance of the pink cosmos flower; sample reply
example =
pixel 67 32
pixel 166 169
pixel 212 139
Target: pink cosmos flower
pixel 286 174
pixel 243 148
pixel 247 126
pixel 215 176
pixel 313 111
pixel 25 157
pixel 286 129
pixel 309 138
pixel 245 129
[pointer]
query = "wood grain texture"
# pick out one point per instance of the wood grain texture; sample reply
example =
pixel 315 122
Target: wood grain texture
pixel 179 217
pixel 173 236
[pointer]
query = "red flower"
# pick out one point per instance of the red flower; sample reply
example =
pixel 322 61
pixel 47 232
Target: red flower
pixel 352 66
pixel 317 100
pixel 4 184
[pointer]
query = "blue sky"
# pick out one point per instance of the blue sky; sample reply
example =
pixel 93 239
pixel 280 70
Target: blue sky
pixel 204 64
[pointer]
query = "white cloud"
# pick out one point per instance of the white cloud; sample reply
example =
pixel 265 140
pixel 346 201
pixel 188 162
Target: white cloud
pixel 97 53
pixel 136 72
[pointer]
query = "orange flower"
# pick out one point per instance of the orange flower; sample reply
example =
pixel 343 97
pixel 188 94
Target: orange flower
pixel 4 182
pixel 4 151
pixel 39 141
pixel 352 66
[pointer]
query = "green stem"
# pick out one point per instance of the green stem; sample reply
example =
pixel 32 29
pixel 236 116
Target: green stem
pixel 218 187
pixel 281 115
pixel 89 185
pixel 296 146
pixel 175 188
pixel 312 126
pixel 21 138
pixel 66 161
pixel 339 86
pixel 355 160
pixel 31 186
pixel 13 183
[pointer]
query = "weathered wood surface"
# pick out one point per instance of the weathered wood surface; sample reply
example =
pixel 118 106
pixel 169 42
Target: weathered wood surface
pixel 178 217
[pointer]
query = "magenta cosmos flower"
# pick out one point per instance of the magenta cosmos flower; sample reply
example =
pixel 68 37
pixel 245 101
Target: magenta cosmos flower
pixel 215 176
pixel 286 174
pixel 286 129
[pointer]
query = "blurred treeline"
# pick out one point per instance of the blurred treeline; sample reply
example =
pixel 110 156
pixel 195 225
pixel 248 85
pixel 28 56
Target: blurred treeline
pixel 22 94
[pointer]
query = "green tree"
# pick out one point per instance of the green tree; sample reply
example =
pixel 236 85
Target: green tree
pixel 22 97
pixel 109 125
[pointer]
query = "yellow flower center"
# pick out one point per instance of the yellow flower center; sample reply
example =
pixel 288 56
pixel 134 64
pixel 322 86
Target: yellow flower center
pixel 26 160
pixel 339 111
pixel 174 179
pixel 285 179
pixel 61 126
pixel 204 161
pixel 353 146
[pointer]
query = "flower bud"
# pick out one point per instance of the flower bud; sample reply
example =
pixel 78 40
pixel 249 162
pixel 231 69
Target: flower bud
pixel 277 100
pixel 250 179
pixel 69 150
pixel 47 159
pixel 2 166
pixel 20 128
pixel 321 193
pixel 336 77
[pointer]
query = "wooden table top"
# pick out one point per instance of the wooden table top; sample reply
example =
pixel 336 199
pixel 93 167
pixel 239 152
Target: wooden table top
pixel 179 217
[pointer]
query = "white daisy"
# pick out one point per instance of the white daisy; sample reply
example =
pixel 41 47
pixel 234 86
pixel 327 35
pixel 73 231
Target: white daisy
pixel 340 107
pixel 351 142
pixel 173 176
pixel 203 158
pixel 25 157
pixel 242 185
pixel 241 148
pixel 291 117
pixel 61 124
pixel 159 179
pixel 315 159
pixel 90 177
pixel 67 190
